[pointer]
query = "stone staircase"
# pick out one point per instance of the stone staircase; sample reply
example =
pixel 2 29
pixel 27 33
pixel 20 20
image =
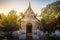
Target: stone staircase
pixel 35 35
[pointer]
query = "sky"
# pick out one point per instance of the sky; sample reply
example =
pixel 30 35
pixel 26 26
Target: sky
pixel 22 5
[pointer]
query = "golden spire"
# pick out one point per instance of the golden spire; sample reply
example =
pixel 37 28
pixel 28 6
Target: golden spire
pixel 29 9
pixel 29 5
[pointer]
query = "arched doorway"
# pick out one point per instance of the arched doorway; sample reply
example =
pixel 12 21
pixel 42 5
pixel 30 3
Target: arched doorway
pixel 29 31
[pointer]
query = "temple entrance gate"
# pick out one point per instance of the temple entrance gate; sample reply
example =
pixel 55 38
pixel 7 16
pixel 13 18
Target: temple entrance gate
pixel 29 31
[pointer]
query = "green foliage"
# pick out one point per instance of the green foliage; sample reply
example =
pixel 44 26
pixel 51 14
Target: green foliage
pixel 52 8
pixel 50 12
pixel 3 20
pixel 9 22
pixel 50 16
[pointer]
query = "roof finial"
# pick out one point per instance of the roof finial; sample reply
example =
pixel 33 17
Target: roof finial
pixel 29 4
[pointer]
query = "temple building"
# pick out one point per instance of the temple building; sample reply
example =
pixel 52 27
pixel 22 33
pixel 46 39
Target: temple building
pixel 29 25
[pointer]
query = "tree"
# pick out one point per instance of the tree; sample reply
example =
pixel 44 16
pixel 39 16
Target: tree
pixel 51 11
pixel 50 16
pixel 2 20
pixel 9 23
pixel 12 21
